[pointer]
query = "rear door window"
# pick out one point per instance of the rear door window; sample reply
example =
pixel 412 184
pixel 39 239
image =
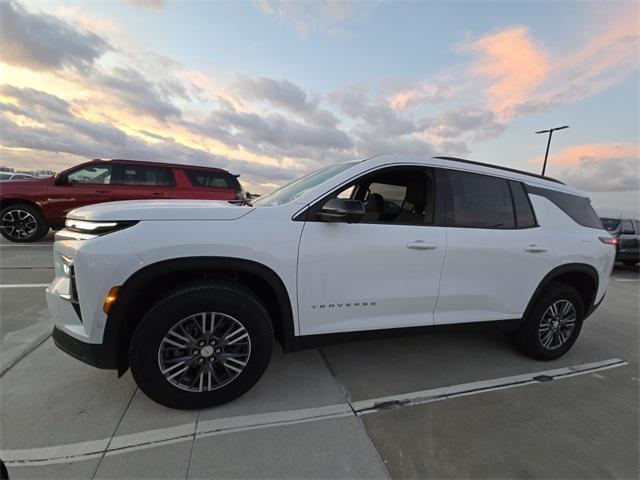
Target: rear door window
pixel 142 175
pixel 479 201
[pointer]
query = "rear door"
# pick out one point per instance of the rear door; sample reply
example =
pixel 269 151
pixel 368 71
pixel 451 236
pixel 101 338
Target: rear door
pixel 496 253
pixel 143 182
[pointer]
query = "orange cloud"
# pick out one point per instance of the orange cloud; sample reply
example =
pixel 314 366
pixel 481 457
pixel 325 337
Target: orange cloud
pixel 512 63
pixel 576 155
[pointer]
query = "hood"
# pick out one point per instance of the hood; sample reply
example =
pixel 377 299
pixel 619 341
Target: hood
pixel 161 210
pixel 22 183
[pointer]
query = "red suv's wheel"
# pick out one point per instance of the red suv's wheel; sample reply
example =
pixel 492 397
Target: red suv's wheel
pixel 22 222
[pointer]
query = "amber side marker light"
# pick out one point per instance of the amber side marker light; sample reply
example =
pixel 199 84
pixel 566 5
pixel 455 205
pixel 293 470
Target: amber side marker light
pixel 109 299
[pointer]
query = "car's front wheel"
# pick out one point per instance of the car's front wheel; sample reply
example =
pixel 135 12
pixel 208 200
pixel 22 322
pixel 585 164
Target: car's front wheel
pixel 553 324
pixel 22 223
pixel 201 346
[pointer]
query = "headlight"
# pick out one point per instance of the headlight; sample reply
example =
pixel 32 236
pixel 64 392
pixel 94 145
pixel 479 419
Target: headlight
pixel 67 265
pixel 95 228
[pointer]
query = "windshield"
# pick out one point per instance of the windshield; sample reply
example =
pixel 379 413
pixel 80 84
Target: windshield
pixel 610 224
pixel 299 187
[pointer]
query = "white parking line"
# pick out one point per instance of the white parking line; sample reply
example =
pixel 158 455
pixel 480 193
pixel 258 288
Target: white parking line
pixel 25 285
pixel 154 438
pixel 626 279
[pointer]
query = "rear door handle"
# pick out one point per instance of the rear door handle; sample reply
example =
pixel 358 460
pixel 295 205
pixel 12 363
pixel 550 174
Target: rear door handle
pixel 535 248
pixel 422 245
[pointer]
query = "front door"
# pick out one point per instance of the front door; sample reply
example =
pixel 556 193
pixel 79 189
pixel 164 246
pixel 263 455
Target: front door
pixel 84 186
pixel 382 272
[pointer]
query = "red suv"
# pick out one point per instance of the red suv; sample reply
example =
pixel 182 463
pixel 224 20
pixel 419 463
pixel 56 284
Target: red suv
pixel 30 207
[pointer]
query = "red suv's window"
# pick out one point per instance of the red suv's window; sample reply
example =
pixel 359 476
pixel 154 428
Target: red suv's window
pixel 146 176
pixel 203 178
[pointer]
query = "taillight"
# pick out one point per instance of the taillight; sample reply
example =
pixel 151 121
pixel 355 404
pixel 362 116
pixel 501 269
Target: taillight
pixel 609 240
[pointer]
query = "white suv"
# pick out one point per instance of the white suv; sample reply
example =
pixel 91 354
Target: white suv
pixel 191 294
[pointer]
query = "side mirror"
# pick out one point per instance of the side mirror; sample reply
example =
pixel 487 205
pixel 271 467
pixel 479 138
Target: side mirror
pixel 60 179
pixel 342 210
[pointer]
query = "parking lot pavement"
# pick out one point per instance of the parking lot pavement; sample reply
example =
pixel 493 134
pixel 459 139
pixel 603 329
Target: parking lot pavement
pixel 62 419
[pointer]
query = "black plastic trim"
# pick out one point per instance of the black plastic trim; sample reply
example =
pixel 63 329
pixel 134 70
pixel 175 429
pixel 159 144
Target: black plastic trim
pixel 561 270
pixel 96 355
pixel 119 327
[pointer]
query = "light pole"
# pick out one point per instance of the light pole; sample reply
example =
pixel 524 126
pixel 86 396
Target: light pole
pixel 546 155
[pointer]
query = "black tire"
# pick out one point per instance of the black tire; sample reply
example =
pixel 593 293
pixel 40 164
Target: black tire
pixel 529 337
pixel 18 234
pixel 230 302
pixel 630 263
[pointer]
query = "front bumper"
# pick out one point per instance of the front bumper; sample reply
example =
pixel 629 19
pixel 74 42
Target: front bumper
pixel 94 354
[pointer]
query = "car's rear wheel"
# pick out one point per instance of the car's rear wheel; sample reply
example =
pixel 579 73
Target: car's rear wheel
pixel 22 223
pixel 553 324
pixel 201 346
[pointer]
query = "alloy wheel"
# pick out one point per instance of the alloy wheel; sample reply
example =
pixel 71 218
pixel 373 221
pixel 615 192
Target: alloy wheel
pixel 19 224
pixel 557 324
pixel 204 352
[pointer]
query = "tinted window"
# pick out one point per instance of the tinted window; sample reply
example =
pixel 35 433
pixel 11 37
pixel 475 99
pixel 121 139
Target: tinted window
pixel 480 201
pixel 147 176
pixel 578 208
pixel 610 224
pixel 203 178
pixel 637 224
pixel 627 228
pixel 525 217
pixel 100 174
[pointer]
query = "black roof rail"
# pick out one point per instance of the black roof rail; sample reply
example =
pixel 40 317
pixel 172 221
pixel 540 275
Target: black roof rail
pixel 513 170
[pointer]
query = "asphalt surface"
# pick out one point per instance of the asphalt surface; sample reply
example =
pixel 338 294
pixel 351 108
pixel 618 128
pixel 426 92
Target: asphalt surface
pixel 455 404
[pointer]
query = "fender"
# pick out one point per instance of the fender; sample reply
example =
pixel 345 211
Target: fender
pixel 120 324
pixel 562 270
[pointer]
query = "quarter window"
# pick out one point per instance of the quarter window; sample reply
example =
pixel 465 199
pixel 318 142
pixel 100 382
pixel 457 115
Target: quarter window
pixel 578 208
pixel 479 201
pixel 202 178
pixel 627 228
pixel 525 217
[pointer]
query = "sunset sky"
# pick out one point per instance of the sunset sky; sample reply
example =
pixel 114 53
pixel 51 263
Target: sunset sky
pixel 274 89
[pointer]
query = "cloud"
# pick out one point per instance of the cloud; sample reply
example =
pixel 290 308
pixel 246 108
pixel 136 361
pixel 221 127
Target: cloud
pixel 141 95
pixel 416 95
pixel 598 167
pixel 379 117
pixel 43 42
pixel 511 62
pixel 41 122
pixel 150 4
pixel 284 94
pixel 305 17
pixel 476 122
pixel 273 134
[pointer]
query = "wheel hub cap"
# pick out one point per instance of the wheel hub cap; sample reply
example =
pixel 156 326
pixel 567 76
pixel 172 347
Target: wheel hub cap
pixel 207 351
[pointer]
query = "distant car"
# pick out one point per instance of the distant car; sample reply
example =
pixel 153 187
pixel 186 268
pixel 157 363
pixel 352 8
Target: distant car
pixel 30 207
pixel 4 176
pixel 627 232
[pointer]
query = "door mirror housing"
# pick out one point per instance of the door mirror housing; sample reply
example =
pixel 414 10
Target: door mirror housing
pixel 342 210
pixel 60 179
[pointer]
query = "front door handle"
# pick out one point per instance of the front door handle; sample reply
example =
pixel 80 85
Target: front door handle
pixel 535 248
pixel 157 193
pixel 422 245
pixel 103 191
